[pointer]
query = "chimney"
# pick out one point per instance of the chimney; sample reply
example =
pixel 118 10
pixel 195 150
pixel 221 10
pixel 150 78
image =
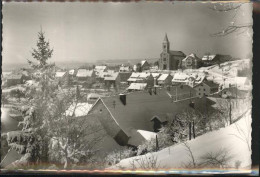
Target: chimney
pixel 192 105
pixel 122 98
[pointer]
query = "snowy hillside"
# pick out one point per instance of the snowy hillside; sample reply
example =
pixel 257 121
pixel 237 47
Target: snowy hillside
pixel 235 139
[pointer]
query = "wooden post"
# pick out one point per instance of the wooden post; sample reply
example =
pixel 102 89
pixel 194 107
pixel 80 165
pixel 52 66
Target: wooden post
pixel 230 114
pixel 157 144
pixel 193 129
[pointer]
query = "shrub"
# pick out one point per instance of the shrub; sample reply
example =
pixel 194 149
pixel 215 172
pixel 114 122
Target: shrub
pixel 116 156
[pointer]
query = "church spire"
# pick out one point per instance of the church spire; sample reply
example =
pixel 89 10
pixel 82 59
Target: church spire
pixel 166 38
pixel 166 44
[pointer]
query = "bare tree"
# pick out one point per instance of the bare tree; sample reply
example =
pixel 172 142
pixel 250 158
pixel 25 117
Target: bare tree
pixel 217 159
pixel 146 162
pixel 192 162
pixel 244 134
pixel 234 26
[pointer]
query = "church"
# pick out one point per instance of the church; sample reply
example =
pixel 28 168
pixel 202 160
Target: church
pixel 169 59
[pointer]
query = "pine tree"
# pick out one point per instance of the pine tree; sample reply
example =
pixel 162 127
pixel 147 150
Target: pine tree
pixel 42 53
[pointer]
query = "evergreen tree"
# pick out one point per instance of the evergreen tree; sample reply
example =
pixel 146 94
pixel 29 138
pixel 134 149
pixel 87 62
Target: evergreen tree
pixel 42 53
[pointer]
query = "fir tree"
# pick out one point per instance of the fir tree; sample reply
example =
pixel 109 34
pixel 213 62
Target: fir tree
pixel 42 53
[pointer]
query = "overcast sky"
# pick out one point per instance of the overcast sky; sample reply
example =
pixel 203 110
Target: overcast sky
pixel 87 32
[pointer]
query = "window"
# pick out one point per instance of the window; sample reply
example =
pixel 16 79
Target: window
pixel 204 89
pixel 164 59
pixel 164 66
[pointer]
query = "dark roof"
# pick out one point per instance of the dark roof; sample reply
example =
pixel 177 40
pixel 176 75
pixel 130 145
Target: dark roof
pixel 141 107
pixel 177 53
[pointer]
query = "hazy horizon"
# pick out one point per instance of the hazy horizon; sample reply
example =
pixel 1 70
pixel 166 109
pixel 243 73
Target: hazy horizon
pixel 88 32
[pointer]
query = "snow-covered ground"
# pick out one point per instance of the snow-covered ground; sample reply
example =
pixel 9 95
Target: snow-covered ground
pixel 236 139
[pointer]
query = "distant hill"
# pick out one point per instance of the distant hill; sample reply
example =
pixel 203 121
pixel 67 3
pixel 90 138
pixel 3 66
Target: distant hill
pixel 124 61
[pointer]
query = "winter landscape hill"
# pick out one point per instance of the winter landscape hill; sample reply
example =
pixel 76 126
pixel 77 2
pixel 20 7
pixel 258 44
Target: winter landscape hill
pixel 234 147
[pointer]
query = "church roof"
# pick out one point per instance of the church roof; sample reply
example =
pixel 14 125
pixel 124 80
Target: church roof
pixel 176 53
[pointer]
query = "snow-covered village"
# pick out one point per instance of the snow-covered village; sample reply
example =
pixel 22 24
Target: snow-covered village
pixel 124 89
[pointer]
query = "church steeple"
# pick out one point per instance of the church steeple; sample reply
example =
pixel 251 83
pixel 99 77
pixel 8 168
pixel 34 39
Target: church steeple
pixel 166 44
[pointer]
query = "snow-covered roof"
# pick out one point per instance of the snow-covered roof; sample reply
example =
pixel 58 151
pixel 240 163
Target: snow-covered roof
pixel 180 77
pixel 132 79
pixel 241 80
pixel 163 77
pixel 60 74
pixel 208 57
pixel 135 75
pixel 137 86
pixel 93 96
pixel 193 56
pixel 147 135
pixel 14 76
pixel 71 72
pixel 111 77
pixel 32 83
pixel 144 75
pixel 84 73
pixel 124 68
pixel 143 62
pixel 81 109
pixel 155 75
pixel 100 67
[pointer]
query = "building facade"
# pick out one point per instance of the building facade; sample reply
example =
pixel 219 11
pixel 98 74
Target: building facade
pixel 170 60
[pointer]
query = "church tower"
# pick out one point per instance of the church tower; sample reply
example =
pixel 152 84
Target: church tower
pixel 166 44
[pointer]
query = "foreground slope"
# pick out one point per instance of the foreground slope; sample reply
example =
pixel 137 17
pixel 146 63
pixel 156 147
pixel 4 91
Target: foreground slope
pixel 236 138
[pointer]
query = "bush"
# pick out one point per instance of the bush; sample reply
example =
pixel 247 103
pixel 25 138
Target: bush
pixel 116 156
pixel 164 140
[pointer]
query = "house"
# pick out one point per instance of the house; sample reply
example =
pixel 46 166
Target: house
pixel 180 78
pixel 137 86
pixel 155 77
pixel 206 88
pixel 164 80
pixel 100 68
pixel 144 65
pixel 122 115
pixel 191 62
pixel 112 80
pixel 133 78
pixel 93 97
pixel 233 93
pixel 195 79
pixel 14 79
pixel 160 120
pixel 86 76
pixel 123 68
pixel 146 78
pixel 169 59
pixel 209 59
